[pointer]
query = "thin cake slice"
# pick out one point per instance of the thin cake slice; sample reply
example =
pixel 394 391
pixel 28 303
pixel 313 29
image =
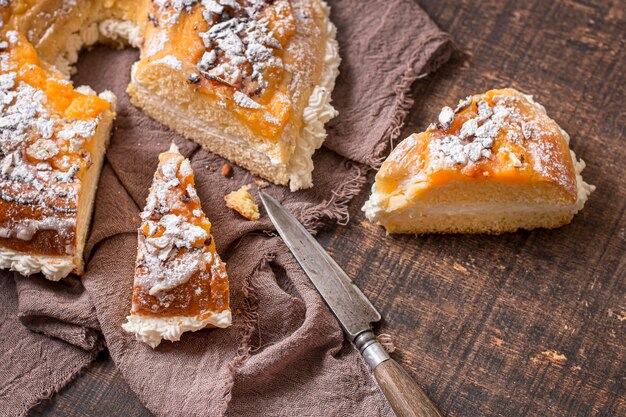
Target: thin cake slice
pixel 180 282
pixel 250 80
pixel 497 163
pixel 52 143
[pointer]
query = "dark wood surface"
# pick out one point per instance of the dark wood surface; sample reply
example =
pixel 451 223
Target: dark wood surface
pixel 531 323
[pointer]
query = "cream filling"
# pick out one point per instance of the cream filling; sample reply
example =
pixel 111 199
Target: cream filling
pixel 115 29
pixel 317 113
pixel 54 268
pixel 152 330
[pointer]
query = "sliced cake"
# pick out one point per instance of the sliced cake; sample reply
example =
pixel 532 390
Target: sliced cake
pixel 180 282
pixel 52 144
pixel 250 80
pixel 496 163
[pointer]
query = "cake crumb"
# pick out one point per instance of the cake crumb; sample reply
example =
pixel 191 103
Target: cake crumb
pixel 243 203
pixel 227 170
pixel 261 183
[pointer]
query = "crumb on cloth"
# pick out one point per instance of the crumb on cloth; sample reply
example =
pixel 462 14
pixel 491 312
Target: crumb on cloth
pixel 243 203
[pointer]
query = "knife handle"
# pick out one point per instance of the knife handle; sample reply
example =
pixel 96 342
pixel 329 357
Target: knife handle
pixel 405 397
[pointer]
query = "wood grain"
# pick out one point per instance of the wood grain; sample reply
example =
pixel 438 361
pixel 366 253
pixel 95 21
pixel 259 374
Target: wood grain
pixel 524 324
pixel 406 398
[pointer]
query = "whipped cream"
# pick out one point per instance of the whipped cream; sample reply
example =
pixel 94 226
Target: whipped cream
pixel 54 268
pixel 317 113
pixel 152 330
pixel 114 29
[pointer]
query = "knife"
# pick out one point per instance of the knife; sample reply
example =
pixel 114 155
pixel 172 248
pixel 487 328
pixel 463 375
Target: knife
pixel 354 312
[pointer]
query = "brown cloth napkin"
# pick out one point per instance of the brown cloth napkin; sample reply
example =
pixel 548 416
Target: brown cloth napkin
pixel 285 354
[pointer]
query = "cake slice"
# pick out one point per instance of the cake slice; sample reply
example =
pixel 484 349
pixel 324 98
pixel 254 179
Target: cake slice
pixel 52 143
pixel 180 282
pixel 248 80
pixel 496 163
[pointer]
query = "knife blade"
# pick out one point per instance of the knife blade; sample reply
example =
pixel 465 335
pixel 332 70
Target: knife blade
pixel 353 310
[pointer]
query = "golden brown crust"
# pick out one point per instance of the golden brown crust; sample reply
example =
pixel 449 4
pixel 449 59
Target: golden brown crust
pixel 527 147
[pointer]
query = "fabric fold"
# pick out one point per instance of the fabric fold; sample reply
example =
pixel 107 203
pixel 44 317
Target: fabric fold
pixel 67 313
pixel 35 366
pixel 384 48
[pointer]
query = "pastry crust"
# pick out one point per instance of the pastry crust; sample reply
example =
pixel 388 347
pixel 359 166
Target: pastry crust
pixel 180 282
pixel 495 164
pixel 52 145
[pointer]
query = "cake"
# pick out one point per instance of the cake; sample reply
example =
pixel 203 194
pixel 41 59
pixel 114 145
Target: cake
pixel 180 283
pixel 243 203
pixel 52 144
pixel 250 80
pixel 497 163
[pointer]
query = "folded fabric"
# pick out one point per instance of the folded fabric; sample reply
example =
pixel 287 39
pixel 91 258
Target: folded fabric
pixel 285 353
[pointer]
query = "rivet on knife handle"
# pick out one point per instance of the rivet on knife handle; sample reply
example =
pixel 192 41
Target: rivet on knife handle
pixel 406 398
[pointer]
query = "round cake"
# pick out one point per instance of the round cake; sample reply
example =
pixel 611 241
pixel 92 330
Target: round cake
pixel 250 80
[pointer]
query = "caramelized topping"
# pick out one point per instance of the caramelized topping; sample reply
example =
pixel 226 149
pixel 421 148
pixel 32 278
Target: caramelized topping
pixel 237 48
pixel 500 134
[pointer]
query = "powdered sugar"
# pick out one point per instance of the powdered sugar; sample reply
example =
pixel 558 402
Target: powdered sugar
pixel 155 44
pixel 446 117
pixel 244 101
pixel 79 128
pixel 240 47
pixel 170 61
pixel 474 141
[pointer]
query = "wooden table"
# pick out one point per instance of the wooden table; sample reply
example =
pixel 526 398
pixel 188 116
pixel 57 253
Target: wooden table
pixel 531 323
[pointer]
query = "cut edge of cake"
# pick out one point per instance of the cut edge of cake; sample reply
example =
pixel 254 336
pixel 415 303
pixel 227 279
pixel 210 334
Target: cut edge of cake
pixel 57 267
